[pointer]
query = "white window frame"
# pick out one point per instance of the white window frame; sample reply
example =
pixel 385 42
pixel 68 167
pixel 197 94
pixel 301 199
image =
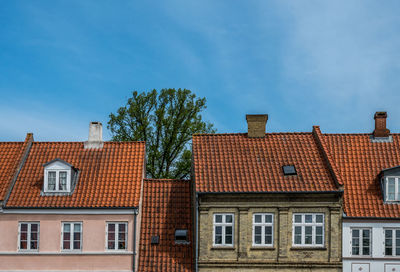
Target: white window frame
pixel 116 236
pixel 360 241
pixel 263 225
pixel 57 167
pixel 28 238
pixel 224 225
pixel 396 189
pixel 394 244
pixel 71 241
pixel 314 224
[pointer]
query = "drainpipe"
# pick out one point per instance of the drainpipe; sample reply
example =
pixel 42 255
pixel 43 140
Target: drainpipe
pixel 197 233
pixel 134 240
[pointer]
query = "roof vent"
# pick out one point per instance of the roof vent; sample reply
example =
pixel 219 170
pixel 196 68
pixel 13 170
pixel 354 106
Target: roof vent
pixel 155 240
pixel 289 170
pixel 95 136
pixel 181 236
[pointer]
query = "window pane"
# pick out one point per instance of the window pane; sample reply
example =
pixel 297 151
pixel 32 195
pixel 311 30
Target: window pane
pixel 388 251
pixel 391 188
pixel 62 180
pixel 308 235
pixel 67 227
pixel 228 230
pixel 23 236
pixel 268 218
pixel 51 182
pixel 355 233
pixel 297 235
pixel 34 227
pixel 365 250
pixel 34 245
pixel 257 239
pixel 67 236
pixel 111 236
pixel 297 218
pixel 218 218
pixel 228 219
pixel 23 245
pixel 34 236
pixel 257 218
pixel 24 227
pixel 319 218
pixel 318 240
pixel 121 236
pixel 228 239
pixel 77 244
pixel 218 230
pixel 111 227
pixel 77 236
pixel 268 230
pixel 121 245
pixel 257 230
pixel 121 227
pixel 297 230
pixel 398 250
pixel 308 218
pixel 111 244
pixel 66 245
pixel 268 239
pixel 77 227
pixel 218 239
pixel 397 234
pixel 318 230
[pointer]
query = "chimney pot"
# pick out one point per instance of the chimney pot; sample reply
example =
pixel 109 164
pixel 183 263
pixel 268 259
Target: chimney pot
pixel 95 136
pixel 380 124
pixel 256 125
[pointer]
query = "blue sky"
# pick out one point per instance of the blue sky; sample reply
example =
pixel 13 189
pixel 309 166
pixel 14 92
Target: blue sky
pixel 328 63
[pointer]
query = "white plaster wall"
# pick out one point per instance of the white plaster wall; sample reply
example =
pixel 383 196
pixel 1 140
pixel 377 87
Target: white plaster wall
pixel 377 262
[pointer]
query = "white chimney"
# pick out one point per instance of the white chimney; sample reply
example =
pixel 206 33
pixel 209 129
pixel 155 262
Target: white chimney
pixel 95 136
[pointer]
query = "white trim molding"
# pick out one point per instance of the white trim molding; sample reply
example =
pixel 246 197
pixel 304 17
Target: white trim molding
pixel 70 211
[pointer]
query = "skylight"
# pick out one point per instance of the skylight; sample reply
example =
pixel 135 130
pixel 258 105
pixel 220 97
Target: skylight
pixel 155 240
pixel 289 170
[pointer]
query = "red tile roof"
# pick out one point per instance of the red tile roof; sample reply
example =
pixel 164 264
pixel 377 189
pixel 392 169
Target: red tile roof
pixel 108 177
pixel 236 163
pixel 359 162
pixel 166 207
pixel 11 155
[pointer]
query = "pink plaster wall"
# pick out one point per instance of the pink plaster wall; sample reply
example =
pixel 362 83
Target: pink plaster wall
pixel 93 242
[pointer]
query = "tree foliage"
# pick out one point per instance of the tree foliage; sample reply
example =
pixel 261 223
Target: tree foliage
pixel 166 121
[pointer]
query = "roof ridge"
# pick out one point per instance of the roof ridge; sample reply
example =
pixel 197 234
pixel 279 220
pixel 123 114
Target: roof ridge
pixel 245 133
pixel 327 156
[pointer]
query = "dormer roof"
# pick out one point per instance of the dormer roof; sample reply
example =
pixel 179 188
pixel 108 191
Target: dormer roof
pixel 57 160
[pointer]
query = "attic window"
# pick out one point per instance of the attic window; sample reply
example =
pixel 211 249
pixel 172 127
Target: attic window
pixel 155 240
pixel 57 177
pixel 289 170
pixel 181 236
pixel 392 189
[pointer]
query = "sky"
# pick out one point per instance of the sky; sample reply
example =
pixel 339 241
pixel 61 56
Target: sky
pixel 304 63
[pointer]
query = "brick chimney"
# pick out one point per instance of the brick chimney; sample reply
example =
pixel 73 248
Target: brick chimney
pixel 95 136
pixel 380 124
pixel 256 125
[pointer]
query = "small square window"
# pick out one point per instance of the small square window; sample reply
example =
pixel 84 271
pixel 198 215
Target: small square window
pixel 181 236
pixel 155 240
pixel 289 170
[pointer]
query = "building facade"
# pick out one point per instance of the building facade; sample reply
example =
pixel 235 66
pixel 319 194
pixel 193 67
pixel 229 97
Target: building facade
pixel 266 201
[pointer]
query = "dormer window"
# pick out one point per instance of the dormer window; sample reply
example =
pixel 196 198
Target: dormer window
pixel 58 177
pixel 392 189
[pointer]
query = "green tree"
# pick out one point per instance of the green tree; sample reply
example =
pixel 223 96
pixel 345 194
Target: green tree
pixel 166 121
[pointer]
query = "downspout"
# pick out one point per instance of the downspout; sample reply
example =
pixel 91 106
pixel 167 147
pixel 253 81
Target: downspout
pixel 134 240
pixel 197 233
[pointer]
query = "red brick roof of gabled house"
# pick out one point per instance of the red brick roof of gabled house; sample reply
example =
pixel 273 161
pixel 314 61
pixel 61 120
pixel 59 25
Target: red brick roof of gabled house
pixel 359 161
pixel 238 163
pixel 109 177
pixel 166 207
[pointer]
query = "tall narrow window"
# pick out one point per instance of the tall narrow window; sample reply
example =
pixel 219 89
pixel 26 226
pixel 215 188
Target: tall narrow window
pixel 51 183
pixel 28 236
pixel 263 224
pixel 117 235
pixel 223 229
pixel 392 242
pixel 63 181
pixel 308 229
pixel 392 188
pixel 361 242
pixel 72 236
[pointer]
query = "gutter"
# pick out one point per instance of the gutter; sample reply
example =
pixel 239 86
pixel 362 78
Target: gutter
pixel 277 192
pixel 134 240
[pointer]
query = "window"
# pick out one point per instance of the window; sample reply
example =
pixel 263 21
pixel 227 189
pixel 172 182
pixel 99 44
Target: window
pixel 223 229
pixel 181 236
pixel 117 236
pixel 28 236
pixel 308 229
pixel 71 236
pixel 392 242
pixel 361 242
pixel 263 226
pixel 57 176
pixel 392 185
pixel 289 170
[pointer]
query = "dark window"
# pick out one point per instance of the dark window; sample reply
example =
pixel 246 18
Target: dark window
pixel 181 236
pixel 289 170
pixel 155 240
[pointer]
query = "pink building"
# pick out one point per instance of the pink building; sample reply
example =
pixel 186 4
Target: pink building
pixel 70 205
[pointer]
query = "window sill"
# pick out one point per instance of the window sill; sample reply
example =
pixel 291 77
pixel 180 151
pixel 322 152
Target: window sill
pixel 307 248
pixel 223 248
pixel 262 248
